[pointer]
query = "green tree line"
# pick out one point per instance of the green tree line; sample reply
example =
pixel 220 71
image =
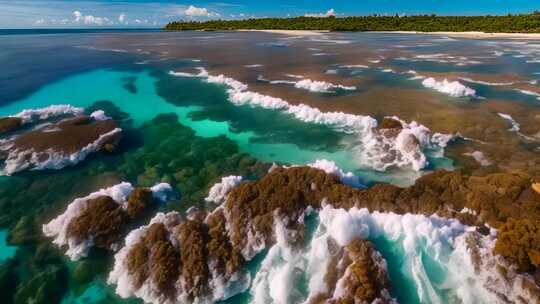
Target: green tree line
pixel 523 23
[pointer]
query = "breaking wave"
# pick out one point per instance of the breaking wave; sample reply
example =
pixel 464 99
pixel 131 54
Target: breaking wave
pixel 375 150
pixel 452 88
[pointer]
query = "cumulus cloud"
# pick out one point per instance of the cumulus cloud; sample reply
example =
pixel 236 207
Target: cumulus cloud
pixel 122 18
pixel 194 11
pixel 330 13
pixel 78 16
pixel 91 20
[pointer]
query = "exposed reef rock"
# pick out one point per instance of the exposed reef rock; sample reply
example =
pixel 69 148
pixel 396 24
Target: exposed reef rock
pixel 519 241
pixel 8 124
pixel 102 218
pixel 57 144
pixel 503 280
pixel 356 274
pixel 366 279
pixel 170 261
pixel 203 258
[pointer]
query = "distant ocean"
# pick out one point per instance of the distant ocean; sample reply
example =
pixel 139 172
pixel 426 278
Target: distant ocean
pixel 42 31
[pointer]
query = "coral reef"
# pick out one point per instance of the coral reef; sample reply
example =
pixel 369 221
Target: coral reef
pixel 59 144
pixel 172 153
pixel 102 218
pixel 8 124
pixel 171 260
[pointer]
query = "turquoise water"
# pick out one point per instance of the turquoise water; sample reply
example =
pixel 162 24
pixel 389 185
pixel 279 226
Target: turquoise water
pixel 6 251
pixel 95 293
pixel 143 105
pixel 106 84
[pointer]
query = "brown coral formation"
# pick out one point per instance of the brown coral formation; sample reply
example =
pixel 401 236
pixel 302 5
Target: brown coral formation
pixel 102 221
pixel 491 200
pixel 68 136
pixel 390 123
pixel 201 250
pixel 139 202
pixel 222 242
pixel 366 279
pixel 519 241
pixel 8 124
pixel 155 256
pixel 359 272
pixel 105 221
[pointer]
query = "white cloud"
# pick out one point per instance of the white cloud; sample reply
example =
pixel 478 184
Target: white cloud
pixel 122 18
pixel 40 21
pixel 78 16
pixel 194 11
pixel 330 13
pixel 91 20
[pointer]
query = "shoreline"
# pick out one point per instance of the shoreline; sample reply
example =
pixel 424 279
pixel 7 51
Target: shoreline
pixel 469 35
pixel 290 32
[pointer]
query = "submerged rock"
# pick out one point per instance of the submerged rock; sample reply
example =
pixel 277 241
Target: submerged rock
pixel 47 286
pixel 8 281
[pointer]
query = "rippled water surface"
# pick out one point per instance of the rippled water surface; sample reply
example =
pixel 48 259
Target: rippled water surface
pixel 130 70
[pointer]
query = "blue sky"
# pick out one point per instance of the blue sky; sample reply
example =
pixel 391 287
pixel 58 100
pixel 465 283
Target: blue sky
pixel 148 13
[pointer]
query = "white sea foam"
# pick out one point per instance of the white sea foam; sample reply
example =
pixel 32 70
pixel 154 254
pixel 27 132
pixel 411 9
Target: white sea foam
pixel 375 150
pixel 253 66
pixel 480 158
pixel 330 167
pixel 31 115
pixel 354 66
pixel 99 115
pixel 295 76
pixel 50 159
pixel 218 193
pixel 310 85
pixel 277 280
pixel 321 86
pixel 528 92
pixel 442 242
pixel 486 82
pixel 515 125
pixel 453 88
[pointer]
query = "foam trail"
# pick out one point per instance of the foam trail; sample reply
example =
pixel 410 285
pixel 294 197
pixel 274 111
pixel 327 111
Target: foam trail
pixel 321 86
pixel 310 85
pixel 515 125
pixel 31 115
pixel 530 93
pixel 480 158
